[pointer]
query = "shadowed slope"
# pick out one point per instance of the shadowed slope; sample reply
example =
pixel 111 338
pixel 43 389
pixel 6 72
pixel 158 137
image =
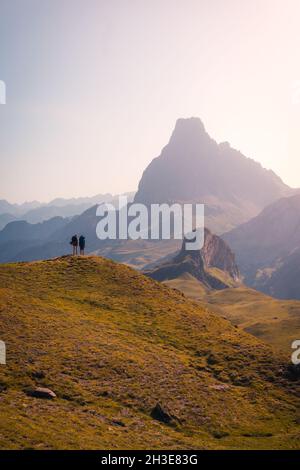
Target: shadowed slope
pixel 268 249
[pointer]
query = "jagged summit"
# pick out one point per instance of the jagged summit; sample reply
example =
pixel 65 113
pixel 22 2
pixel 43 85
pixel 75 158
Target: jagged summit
pixel 193 167
pixel 214 265
pixel 188 130
pixel 216 253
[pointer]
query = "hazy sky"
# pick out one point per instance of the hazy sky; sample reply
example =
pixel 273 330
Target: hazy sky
pixel 94 87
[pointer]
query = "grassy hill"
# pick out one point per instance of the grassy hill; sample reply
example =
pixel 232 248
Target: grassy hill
pixel 111 344
pixel 276 322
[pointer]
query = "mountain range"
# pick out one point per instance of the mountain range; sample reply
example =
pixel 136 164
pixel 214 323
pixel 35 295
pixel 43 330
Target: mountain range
pixel 101 355
pixel 268 249
pixel 35 212
pixel 21 209
pixel 20 237
pixel 192 167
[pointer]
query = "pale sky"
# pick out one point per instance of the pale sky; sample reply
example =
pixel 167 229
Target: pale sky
pixel 94 87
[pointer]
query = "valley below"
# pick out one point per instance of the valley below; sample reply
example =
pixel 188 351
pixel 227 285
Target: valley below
pixel 274 321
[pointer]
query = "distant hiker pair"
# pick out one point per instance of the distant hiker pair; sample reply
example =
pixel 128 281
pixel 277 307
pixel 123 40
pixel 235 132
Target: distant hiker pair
pixel 75 242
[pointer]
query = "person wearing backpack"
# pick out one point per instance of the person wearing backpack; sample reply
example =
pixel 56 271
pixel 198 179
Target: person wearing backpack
pixel 82 244
pixel 74 243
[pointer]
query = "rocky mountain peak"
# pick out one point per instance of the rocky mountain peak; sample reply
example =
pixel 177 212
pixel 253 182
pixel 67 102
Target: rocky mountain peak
pixel 200 263
pixel 216 253
pixel 192 167
pixel 188 130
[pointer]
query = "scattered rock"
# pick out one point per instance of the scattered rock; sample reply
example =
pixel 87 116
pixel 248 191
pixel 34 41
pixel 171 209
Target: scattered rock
pixel 38 375
pixel 240 381
pixel 163 415
pixel 212 360
pixel 117 422
pixel 292 372
pixel 221 388
pixel 3 387
pixel 220 434
pixel 40 392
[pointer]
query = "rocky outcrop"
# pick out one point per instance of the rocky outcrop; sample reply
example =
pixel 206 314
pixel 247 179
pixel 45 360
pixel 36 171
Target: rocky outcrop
pixel 40 392
pixel 163 414
pixel 216 253
pixel 198 263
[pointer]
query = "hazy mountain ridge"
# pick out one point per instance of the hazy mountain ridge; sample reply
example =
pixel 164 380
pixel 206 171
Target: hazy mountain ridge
pixel 50 238
pixel 6 219
pixel 23 208
pixel 267 249
pixel 21 230
pixel 191 168
pixel 20 236
pixel 17 209
pixel 36 212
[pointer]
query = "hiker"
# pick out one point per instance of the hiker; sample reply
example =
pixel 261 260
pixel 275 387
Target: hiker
pixel 82 244
pixel 74 243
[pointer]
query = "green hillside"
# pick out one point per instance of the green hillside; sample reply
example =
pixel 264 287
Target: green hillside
pixel 274 321
pixel 111 344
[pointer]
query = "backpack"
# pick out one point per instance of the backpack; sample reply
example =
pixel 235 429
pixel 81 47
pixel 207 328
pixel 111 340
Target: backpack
pixel 74 240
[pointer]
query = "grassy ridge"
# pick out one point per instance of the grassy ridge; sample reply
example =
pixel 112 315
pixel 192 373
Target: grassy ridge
pixel 274 321
pixel 111 343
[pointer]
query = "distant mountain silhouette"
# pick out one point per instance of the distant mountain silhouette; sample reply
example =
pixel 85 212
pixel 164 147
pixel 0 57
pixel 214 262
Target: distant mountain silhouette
pixel 36 212
pixel 21 230
pixel 283 281
pixel 43 213
pixel 6 219
pixel 77 201
pixel 20 235
pixel 17 209
pixel 194 168
pixel 214 265
pixel 268 249
pixel 70 207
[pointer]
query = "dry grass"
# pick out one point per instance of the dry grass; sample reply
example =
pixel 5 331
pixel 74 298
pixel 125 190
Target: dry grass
pixel 111 343
pixel 274 321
